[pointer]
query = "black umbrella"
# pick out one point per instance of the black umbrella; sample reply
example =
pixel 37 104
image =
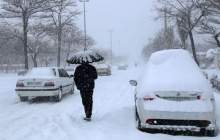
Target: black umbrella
pixel 87 56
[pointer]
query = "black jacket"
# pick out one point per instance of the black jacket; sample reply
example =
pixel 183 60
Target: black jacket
pixel 84 77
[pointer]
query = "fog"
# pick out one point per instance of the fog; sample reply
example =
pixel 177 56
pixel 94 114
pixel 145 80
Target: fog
pixel 132 23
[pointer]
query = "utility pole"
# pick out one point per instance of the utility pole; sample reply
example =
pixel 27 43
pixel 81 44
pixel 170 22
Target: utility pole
pixel 111 44
pixel 84 9
pixel 167 43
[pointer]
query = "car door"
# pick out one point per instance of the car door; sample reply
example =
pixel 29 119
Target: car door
pixel 65 81
pixel 69 80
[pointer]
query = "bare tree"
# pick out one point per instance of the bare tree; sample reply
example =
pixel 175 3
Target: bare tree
pixel 23 10
pixel 157 43
pixel 38 41
pixel 183 33
pixel 61 15
pixel 189 14
pixel 211 23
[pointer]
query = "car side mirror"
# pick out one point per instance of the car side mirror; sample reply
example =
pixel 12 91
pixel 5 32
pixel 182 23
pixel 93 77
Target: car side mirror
pixel 133 82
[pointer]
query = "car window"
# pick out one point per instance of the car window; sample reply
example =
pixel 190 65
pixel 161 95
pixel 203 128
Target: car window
pixel 63 73
pixel 54 72
pixel 60 73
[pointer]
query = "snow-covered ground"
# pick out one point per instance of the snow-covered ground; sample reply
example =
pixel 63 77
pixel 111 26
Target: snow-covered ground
pixel 112 115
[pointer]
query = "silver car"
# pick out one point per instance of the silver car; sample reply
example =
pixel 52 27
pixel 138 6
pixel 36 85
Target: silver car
pixel 103 69
pixel 45 82
pixel 172 95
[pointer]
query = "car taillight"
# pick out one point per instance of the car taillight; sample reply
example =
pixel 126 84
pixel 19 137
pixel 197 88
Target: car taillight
pixel 20 84
pixel 148 98
pixel 49 84
pixel 151 121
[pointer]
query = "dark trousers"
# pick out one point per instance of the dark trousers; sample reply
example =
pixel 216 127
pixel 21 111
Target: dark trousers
pixel 87 100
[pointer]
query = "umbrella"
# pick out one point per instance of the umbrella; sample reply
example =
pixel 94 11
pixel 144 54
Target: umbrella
pixel 87 56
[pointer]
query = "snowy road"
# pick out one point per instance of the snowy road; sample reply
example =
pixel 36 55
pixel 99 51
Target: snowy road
pixel 113 114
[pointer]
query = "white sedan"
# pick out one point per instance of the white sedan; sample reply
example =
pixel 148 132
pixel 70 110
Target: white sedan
pixel 45 82
pixel 103 69
pixel 173 95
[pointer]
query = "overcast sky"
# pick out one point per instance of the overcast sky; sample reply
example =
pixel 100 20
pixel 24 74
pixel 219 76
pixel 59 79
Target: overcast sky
pixel 132 22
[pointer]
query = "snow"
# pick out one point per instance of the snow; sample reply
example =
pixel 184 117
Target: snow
pixel 40 72
pixel 212 73
pixel 113 117
pixel 186 76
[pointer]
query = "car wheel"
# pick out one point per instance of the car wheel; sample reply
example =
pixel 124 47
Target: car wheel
pixel 138 121
pixel 210 133
pixel 23 99
pixel 72 90
pixel 58 97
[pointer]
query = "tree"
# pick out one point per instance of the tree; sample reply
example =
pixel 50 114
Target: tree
pixel 38 41
pixel 61 15
pixel 157 43
pixel 183 33
pixel 189 14
pixel 23 10
pixel 211 23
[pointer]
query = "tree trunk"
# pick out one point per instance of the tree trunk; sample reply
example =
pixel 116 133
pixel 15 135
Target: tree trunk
pixel 217 40
pixel 59 40
pixel 193 47
pixel 68 53
pixel 34 59
pixel 25 31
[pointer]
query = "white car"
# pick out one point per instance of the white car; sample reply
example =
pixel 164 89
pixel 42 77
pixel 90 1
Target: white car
pixel 45 81
pixel 103 69
pixel 173 95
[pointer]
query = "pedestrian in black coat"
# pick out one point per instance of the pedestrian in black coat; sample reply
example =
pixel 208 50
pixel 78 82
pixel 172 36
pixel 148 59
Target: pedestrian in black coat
pixel 84 77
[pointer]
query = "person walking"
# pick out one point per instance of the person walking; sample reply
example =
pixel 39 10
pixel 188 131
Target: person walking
pixel 84 77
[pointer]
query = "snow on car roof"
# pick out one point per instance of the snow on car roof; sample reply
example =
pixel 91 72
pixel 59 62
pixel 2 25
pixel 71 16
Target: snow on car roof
pixel 41 72
pixel 172 70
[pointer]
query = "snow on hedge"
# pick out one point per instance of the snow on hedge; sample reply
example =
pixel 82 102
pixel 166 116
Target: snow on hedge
pixel 172 70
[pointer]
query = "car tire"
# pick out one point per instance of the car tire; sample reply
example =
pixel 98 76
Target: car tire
pixel 23 99
pixel 208 133
pixel 211 133
pixel 58 97
pixel 137 120
pixel 72 90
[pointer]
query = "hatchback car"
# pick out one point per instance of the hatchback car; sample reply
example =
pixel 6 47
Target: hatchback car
pixel 174 95
pixel 44 81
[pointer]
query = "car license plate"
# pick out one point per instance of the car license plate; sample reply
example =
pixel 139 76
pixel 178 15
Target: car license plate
pixel 33 83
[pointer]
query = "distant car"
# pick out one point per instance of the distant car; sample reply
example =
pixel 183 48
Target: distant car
pixel 103 69
pixel 44 81
pixel 122 67
pixel 173 95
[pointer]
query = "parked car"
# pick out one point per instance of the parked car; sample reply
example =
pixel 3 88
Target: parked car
pixel 173 95
pixel 103 69
pixel 122 67
pixel 45 81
